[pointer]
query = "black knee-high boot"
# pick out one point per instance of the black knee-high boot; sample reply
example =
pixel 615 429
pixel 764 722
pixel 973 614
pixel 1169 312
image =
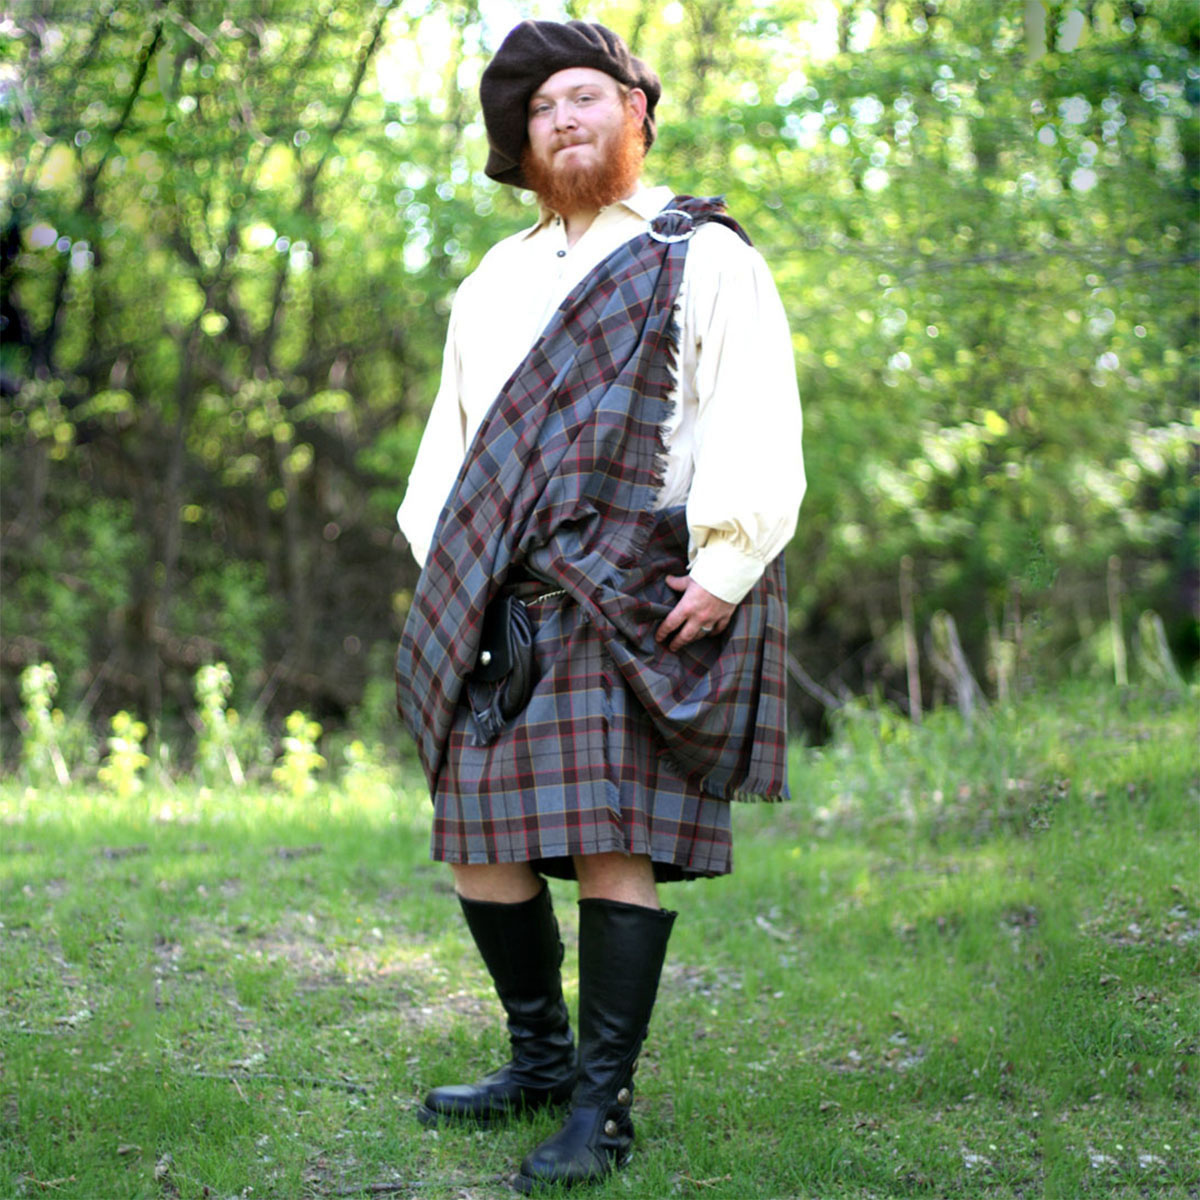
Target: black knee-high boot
pixel 521 948
pixel 621 952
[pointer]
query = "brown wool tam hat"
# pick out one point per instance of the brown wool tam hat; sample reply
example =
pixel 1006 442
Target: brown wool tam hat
pixel 529 55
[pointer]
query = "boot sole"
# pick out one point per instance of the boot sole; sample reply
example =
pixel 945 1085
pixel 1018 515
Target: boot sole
pixel 529 1185
pixel 431 1118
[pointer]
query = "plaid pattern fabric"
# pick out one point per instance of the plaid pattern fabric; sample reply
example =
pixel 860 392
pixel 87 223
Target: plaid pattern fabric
pixel 560 480
pixel 579 771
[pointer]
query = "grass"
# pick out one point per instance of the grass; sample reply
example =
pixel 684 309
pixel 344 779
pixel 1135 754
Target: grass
pixel 961 963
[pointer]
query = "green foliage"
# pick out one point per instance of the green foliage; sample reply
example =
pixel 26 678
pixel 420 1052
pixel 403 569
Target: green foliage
pixel 1013 773
pixel 122 770
pixel 914 996
pixel 300 757
pixel 216 756
pixel 991 327
pixel 230 236
pixel 227 610
pixel 367 775
pixel 68 596
pixel 41 754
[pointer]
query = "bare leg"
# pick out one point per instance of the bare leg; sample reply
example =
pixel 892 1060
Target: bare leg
pixel 499 883
pixel 625 877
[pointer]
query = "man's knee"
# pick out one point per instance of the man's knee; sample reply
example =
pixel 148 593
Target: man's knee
pixel 499 883
pixel 625 877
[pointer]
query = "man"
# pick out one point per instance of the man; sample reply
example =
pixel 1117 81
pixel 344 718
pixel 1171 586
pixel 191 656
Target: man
pixel 616 441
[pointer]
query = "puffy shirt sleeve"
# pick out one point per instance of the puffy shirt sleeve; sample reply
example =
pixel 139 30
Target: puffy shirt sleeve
pixel 748 467
pixel 443 447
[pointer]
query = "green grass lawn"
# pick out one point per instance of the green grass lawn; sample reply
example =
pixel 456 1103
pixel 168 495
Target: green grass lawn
pixel 962 962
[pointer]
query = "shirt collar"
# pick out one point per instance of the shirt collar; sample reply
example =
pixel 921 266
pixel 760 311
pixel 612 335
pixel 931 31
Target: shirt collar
pixel 643 202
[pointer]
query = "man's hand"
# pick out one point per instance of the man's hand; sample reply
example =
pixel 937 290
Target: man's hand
pixel 697 614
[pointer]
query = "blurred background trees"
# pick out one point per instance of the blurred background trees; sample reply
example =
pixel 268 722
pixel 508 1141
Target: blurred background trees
pixel 231 230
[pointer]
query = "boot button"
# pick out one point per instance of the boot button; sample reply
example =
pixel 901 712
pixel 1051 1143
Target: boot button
pixel 610 1128
pixel 624 1096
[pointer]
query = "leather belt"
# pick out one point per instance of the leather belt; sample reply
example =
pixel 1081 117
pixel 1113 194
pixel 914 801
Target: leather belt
pixel 531 590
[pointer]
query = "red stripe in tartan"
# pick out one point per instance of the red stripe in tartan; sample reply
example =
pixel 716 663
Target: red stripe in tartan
pixel 562 478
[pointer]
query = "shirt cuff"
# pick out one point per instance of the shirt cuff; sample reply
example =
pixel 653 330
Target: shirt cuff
pixel 727 572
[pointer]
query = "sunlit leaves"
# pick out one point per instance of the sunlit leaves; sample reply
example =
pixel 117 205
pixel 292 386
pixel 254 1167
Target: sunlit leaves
pixel 232 259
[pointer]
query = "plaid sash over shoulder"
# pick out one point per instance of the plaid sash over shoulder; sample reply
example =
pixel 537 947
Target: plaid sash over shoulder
pixel 560 480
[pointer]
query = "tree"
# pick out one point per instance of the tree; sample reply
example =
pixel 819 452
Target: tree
pixel 232 231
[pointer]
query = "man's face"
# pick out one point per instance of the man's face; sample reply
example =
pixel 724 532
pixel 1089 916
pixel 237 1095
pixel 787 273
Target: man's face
pixel 577 118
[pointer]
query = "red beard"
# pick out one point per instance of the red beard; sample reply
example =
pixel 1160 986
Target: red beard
pixel 588 189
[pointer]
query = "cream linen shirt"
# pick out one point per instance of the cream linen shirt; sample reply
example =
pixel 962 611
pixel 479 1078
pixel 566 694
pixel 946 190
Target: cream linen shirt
pixel 733 436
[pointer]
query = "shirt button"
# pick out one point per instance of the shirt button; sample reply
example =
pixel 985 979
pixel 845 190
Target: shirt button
pixel 562 254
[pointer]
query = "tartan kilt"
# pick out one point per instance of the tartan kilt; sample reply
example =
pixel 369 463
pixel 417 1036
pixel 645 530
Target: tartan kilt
pixel 579 771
